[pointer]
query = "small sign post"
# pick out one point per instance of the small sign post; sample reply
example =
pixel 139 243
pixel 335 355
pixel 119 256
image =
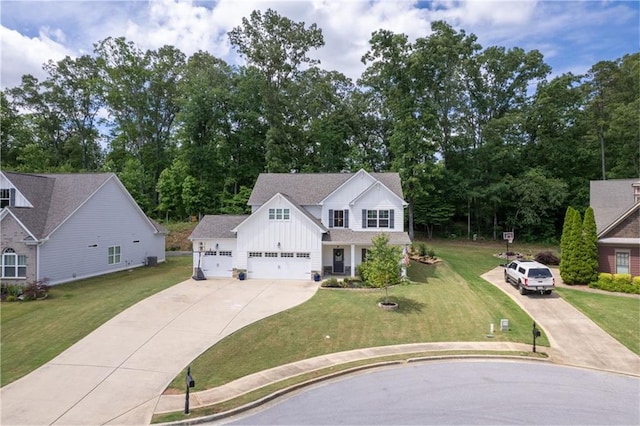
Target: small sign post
pixel 508 236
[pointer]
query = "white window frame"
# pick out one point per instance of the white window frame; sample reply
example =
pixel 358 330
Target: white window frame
pixel 288 254
pixel 226 253
pixel 255 254
pixel 375 218
pixel 279 214
pixel 5 197
pixel 628 260
pixel 12 261
pixel 338 218
pixel 303 255
pixel 271 254
pixel 114 255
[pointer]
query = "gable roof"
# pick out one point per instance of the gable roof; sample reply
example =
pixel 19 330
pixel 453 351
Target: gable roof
pixel 293 204
pixel 217 226
pixel 55 197
pixel 627 214
pixel 311 188
pixel 610 200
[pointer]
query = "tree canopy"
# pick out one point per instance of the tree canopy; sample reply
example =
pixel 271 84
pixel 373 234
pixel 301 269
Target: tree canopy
pixel 483 139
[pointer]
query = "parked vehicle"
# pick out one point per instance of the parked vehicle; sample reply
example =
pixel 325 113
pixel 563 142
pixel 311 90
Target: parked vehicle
pixel 530 276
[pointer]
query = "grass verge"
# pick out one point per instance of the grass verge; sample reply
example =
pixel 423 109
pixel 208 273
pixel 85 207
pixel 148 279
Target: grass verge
pixel 35 332
pixel 276 389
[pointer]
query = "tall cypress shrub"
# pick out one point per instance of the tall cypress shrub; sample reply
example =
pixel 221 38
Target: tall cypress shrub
pixel 571 258
pixel 590 242
pixel 565 255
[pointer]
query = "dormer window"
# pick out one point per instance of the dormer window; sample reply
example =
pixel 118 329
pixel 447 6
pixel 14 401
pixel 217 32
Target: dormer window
pixel 636 192
pixel 279 214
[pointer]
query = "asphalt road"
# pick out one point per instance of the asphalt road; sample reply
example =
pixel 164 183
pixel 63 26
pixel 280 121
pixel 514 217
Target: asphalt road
pixel 461 392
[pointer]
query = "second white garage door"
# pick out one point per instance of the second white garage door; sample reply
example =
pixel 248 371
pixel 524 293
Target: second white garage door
pixel 281 265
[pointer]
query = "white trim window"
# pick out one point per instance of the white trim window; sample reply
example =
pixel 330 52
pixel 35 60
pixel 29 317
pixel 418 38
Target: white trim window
pixel 114 255
pixel 279 214
pixel 622 262
pixel 226 253
pixel 377 218
pixel 271 254
pixel 255 254
pixel 5 197
pixel 13 265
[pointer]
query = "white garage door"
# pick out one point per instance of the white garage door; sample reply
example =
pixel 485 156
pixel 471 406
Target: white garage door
pixel 272 265
pixel 217 263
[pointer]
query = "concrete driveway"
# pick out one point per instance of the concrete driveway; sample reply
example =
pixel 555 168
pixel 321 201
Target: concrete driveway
pixel 117 373
pixel 574 338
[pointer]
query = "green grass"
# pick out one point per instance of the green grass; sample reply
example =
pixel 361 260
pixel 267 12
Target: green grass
pixel 35 332
pixel 448 307
pixel 617 315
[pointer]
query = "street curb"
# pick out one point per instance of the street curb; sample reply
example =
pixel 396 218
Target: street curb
pixel 298 386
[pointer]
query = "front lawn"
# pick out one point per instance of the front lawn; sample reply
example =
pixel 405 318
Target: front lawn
pixel 35 332
pixel 447 308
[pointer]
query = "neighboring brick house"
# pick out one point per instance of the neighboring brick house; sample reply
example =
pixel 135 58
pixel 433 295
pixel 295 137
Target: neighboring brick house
pixel 65 227
pixel 616 207
pixel 302 224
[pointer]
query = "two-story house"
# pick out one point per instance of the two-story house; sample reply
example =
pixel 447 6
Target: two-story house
pixel 616 207
pixel 301 224
pixel 64 227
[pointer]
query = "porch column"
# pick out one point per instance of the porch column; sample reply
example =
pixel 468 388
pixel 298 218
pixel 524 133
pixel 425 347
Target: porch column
pixel 353 260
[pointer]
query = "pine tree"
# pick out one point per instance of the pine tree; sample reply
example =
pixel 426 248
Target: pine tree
pixel 590 242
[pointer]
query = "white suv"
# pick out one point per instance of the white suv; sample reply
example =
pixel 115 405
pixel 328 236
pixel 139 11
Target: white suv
pixel 528 275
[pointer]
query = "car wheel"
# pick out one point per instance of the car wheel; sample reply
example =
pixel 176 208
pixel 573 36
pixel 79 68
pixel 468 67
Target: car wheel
pixel 506 278
pixel 547 292
pixel 522 289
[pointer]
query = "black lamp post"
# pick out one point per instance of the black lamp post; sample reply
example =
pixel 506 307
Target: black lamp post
pixel 190 383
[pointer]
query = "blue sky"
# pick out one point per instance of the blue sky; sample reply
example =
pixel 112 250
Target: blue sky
pixel 572 35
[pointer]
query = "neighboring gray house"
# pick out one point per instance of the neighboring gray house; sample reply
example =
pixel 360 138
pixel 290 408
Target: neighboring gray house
pixel 302 224
pixel 616 207
pixel 65 227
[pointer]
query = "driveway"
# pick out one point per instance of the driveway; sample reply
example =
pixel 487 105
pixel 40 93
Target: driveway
pixel 574 338
pixel 117 373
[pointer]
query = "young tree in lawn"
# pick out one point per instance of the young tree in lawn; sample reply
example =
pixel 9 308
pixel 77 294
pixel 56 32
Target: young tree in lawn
pixel 383 265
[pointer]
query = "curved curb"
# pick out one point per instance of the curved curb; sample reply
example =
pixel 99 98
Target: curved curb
pixel 282 392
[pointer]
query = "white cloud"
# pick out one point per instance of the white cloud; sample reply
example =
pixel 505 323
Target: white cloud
pixel 563 31
pixel 26 55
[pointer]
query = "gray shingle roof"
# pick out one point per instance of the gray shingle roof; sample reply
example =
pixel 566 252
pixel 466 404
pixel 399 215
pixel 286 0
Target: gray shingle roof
pixel 610 199
pixel 217 226
pixel 54 197
pixel 311 188
pixel 348 236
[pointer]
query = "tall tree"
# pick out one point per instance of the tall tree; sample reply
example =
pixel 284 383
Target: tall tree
pixel 278 48
pixel 141 97
pixel 590 243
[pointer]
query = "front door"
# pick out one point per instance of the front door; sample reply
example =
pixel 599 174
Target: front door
pixel 338 261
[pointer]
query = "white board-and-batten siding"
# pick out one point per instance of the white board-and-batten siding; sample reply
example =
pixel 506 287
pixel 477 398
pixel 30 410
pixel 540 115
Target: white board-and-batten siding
pixel 79 248
pixel 297 235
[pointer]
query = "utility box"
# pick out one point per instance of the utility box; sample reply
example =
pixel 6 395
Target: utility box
pixel 152 261
pixel 504 325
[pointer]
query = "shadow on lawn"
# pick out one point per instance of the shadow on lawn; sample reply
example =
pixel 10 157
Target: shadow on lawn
pixel 405 305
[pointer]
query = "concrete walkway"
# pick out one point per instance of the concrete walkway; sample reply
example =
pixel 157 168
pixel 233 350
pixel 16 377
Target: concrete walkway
pixel 117 373
pixel 575 340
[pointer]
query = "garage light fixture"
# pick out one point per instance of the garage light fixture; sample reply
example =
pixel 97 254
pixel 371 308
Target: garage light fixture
pixel 217 245
pixel 278 245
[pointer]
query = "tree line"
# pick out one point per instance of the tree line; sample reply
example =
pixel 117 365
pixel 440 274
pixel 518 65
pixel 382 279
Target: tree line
pixel 484 140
